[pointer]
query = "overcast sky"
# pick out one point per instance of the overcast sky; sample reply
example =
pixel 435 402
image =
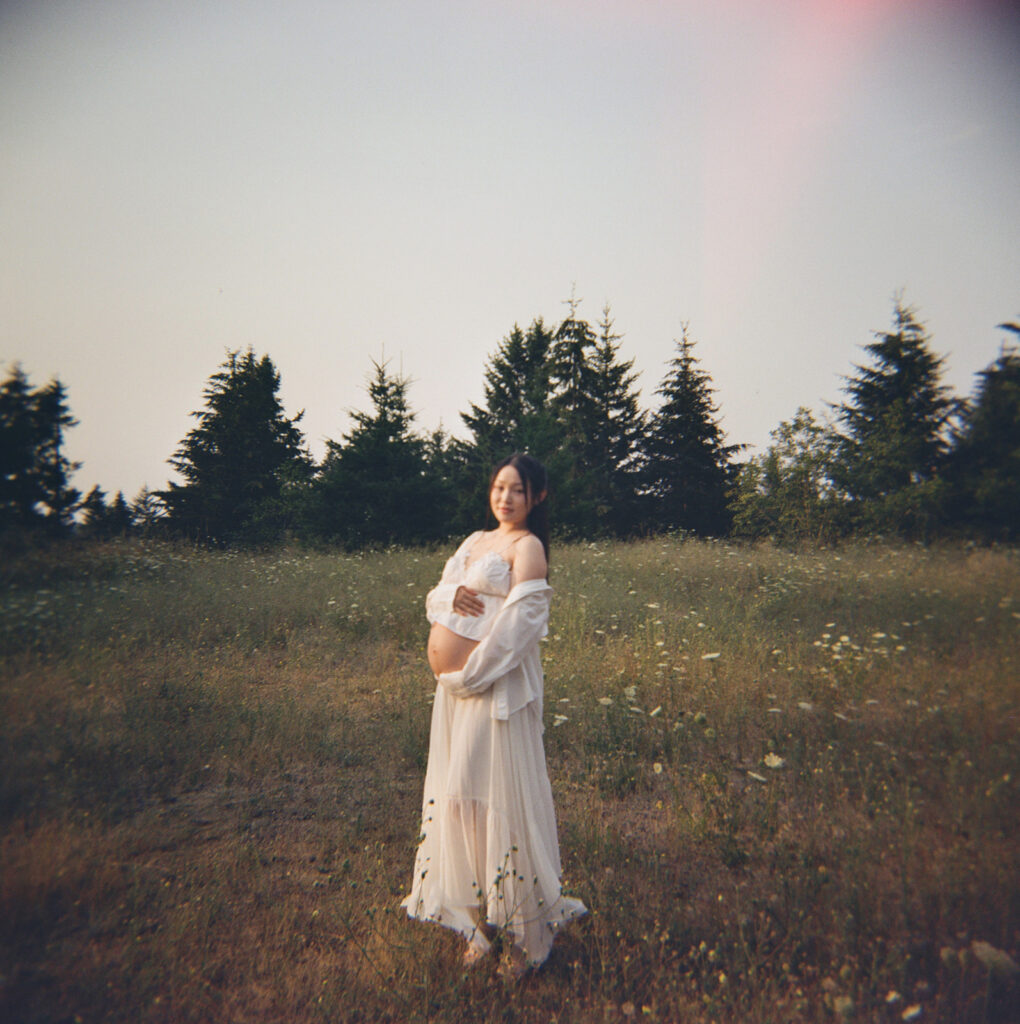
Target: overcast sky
pixel 334 182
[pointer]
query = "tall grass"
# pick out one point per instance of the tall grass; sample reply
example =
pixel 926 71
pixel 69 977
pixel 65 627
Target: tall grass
pixel 786 786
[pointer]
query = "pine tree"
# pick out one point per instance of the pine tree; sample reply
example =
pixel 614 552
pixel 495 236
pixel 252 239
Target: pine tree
pixel 688 470
pixel 95 513
pixel 517 414
pixel 615 446
pixel 893 431
pixel 237 462
pixel 102 519
pixel 463 476
pixel 579 503
pixel 148 513
pixel 120 516
pixel 786 493
pixel 376 487
pixel 573 376
pixel 517 417
pixel 34 472
pixel 984 464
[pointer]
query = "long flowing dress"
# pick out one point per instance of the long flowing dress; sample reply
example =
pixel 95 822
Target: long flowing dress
pixel 489 850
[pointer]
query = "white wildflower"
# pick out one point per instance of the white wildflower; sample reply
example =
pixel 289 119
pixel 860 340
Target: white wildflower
pixel 998 962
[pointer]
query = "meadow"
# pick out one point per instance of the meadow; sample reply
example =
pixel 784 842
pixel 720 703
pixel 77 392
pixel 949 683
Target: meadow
pixel 786 785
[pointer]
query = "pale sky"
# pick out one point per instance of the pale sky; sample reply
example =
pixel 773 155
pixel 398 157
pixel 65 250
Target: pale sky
pixel 331 182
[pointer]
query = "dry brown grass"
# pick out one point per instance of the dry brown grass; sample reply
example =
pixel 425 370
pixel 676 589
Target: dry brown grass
pixel 212 771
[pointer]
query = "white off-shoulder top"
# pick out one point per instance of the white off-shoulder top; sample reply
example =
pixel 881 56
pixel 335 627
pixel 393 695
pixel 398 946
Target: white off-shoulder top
pixel 505 667
pixel 489 575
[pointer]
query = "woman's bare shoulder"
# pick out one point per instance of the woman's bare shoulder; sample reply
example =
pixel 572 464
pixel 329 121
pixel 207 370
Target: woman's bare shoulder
pixel 529 559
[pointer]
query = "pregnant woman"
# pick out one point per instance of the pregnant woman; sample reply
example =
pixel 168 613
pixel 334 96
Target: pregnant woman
pixel 489 857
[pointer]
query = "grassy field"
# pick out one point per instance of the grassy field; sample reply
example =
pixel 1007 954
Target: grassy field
pixel 786 787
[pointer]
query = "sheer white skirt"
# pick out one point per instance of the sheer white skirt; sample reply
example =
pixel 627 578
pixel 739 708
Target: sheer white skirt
pixel 489 851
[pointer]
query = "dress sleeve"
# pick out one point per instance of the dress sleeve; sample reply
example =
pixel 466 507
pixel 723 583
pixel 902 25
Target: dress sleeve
pixel 518 627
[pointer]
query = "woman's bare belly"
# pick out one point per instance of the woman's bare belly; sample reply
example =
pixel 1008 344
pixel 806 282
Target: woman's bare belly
pixel 447 651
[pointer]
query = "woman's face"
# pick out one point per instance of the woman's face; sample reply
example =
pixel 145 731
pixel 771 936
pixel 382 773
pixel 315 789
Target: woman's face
pixel 508 499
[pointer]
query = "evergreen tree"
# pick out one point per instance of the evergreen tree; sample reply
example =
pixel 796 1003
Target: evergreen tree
pixel 463 476
pixel 573 376
pixel 34 472
pixel 94 513
pixel 517 414
pixel 984 464
pixel 517 417
pixel 148 513
pixel 580 503
pixel 688 471
pixel 893 432
pixel 237 462
pixel 615 445
pixel 377 487
pixel 102 519
pixel 120 516
pixel 786 493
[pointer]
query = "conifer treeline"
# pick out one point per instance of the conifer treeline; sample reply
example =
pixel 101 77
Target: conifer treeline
pixel 899 455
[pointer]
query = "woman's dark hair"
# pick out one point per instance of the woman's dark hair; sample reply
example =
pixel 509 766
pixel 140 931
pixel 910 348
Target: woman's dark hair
pixel 536 485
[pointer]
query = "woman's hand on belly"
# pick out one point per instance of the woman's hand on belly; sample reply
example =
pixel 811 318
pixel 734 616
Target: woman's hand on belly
pixel 447 651
pixel 467 602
